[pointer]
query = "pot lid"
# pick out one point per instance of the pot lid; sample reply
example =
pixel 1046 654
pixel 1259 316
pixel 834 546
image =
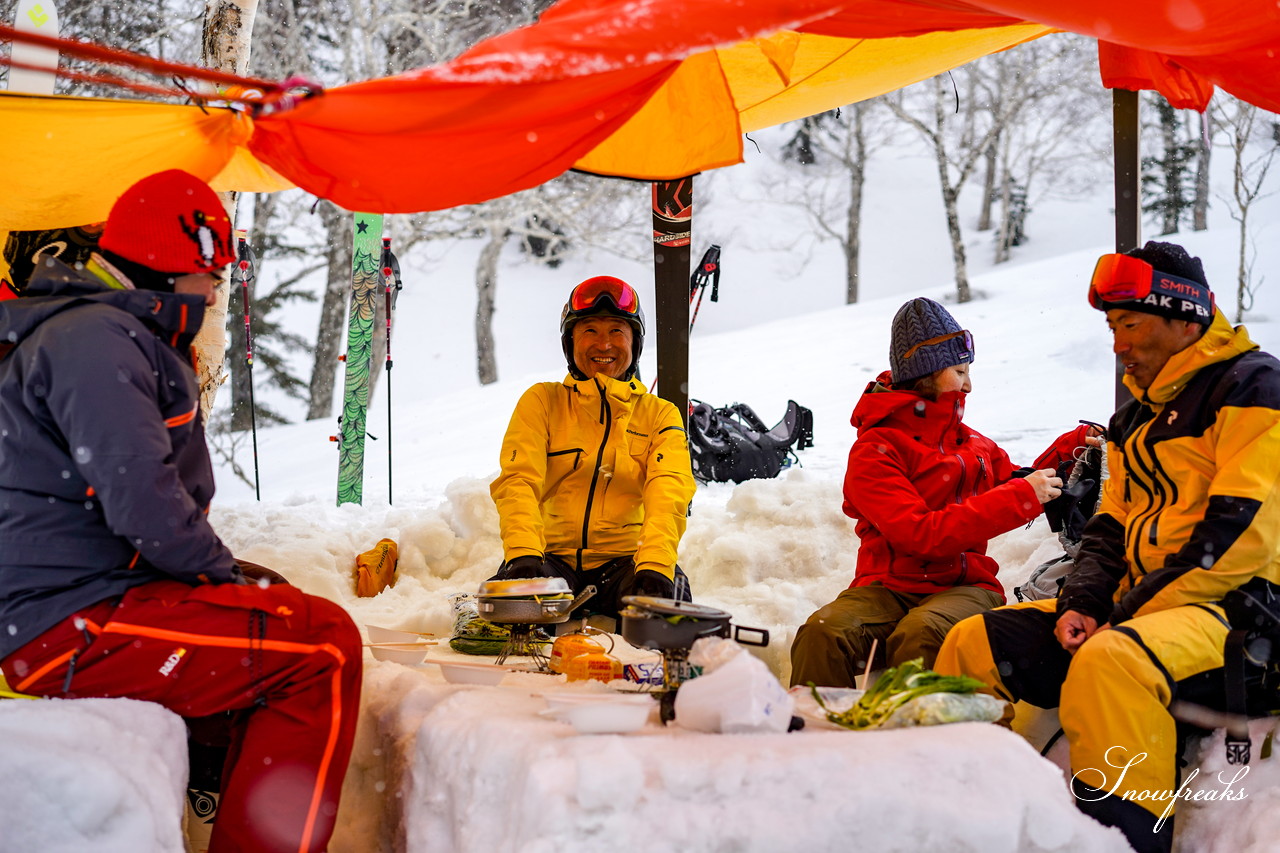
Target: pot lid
pixel 525 587
pixel 674 607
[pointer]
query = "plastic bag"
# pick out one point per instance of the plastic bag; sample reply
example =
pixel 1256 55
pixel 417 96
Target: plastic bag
pixel 933 709
pixel 475 636
pixel 739 695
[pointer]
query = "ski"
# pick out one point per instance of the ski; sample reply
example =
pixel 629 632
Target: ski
pixel 34 16
pixel 366 281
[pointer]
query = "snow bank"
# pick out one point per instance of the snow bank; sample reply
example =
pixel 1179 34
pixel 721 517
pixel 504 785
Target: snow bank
pixel 107 775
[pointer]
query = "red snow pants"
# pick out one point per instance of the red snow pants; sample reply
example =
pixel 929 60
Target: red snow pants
pixel 290 661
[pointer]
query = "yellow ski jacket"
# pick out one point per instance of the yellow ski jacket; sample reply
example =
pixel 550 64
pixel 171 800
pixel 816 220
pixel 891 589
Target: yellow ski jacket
pixel 1192 507
pixel 593 470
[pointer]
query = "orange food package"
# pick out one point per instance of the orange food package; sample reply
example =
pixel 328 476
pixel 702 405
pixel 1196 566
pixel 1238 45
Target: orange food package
pixel 376 568
pixel 569 646
pixel 593 665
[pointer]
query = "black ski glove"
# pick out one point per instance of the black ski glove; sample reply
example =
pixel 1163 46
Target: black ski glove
pixel 651 583
pixel 527 566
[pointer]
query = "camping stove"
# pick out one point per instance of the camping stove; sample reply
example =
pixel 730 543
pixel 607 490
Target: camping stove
pixel 671 627
pixel 523 605
pixel 525 641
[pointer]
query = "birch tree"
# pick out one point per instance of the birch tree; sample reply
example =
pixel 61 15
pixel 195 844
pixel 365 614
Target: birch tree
pixel 834 149
pixel 1254 142
pixel 224 46
pixel 957 144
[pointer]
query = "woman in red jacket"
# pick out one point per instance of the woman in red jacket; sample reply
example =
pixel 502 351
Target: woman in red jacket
pixel 927 492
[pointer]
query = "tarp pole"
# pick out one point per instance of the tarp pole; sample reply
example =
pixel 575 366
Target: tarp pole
pixel 1128 174
pixel 672 233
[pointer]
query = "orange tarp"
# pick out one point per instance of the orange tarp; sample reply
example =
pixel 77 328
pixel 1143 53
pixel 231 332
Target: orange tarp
pixel 645 89
pixel 662 88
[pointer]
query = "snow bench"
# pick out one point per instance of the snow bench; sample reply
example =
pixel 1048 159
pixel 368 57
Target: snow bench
pixel 107 775
pixel 477 770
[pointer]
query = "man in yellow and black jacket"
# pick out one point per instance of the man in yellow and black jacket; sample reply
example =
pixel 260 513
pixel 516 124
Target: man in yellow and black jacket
pixel 596 480
pixel 1190 512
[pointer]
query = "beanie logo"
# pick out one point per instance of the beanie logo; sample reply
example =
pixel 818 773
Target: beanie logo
pixel 206 239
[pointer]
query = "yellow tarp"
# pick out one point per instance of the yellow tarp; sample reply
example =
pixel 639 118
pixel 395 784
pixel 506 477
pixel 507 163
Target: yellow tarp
pixel 66 160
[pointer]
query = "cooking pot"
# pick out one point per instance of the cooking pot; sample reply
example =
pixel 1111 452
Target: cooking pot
pixel 532 609
pixel 667 623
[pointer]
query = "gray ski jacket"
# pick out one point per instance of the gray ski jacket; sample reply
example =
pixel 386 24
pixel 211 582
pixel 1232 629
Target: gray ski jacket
pixel 105 479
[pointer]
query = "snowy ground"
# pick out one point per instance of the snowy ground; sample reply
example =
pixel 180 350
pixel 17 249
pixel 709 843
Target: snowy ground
pixel 770 552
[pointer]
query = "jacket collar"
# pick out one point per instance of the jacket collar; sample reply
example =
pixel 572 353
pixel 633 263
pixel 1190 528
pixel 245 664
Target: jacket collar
pixel 1220 342
pixel 174 317
pixel 881 405
pixel 614 389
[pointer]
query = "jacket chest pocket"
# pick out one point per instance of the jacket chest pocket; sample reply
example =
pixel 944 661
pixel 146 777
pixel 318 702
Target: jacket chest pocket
pixel 560 464
pixel 624 489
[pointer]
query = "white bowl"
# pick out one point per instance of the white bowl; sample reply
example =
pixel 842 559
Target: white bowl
pixel 601 714
pixel 471 673
pixel 391 635
pixel 409 653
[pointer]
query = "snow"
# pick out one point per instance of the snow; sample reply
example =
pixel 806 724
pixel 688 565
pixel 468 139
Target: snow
pixel 445 767
pixel 108 775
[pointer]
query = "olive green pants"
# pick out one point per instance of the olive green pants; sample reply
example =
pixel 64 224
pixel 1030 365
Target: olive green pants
pixel 833 646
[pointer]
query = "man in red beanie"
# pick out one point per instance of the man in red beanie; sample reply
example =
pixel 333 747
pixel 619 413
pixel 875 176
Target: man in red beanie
pixel 112 581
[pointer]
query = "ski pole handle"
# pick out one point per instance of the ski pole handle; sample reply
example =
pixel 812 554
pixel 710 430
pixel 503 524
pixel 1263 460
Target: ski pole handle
pixel 246 272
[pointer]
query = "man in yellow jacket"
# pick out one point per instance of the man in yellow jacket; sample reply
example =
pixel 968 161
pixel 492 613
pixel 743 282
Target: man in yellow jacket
pixel 596 480
pixel 1190 512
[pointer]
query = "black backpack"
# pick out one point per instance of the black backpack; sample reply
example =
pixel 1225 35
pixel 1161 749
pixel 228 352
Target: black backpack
pixel 731 443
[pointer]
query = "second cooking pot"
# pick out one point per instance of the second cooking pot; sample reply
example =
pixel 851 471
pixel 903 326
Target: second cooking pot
pixel 667 623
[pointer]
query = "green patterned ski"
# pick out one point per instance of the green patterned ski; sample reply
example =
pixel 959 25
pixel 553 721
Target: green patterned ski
pixel 366 282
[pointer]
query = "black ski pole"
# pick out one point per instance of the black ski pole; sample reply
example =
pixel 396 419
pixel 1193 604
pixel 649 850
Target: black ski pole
pixel 246 272
pixel 391 278
pixel 707 270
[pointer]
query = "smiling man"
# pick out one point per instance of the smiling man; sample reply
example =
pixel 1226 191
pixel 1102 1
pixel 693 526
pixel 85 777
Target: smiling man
pixel 1190 512
pixel 596 481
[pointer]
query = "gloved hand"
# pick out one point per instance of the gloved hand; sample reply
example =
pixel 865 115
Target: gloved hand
pixel 527 566
pixel 652 583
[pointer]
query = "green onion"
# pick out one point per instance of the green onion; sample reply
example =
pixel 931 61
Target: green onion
pixel 894 688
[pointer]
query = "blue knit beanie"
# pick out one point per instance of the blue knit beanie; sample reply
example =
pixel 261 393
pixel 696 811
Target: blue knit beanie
pixel 919 321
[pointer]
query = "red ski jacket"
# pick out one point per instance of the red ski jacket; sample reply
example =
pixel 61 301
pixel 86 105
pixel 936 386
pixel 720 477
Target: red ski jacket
pixel 927 493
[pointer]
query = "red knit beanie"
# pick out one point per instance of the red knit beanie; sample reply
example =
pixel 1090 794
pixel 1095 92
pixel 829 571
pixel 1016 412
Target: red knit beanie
pixel 170 222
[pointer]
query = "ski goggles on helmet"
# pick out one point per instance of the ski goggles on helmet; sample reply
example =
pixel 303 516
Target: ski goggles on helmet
pixel 588 293
pixel 964 335
pixel 1124 278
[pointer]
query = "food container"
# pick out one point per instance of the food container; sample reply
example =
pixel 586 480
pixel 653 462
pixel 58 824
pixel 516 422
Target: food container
pixel 524 586
pixel 407 653
pixel 378 634
pixel 534 609
pixel 462 672
pixel 600 713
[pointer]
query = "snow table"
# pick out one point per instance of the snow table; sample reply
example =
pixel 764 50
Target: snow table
pixel 91 774
pixel 477 770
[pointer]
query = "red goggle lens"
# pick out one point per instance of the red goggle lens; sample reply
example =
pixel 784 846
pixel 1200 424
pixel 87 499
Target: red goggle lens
pixel 622 295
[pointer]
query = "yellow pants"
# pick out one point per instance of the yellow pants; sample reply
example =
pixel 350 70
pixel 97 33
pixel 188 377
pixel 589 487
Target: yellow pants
pixel 1113 695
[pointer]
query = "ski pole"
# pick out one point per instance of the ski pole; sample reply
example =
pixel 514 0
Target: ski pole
pixel 391 278
pixel 246 271
pixel 707 270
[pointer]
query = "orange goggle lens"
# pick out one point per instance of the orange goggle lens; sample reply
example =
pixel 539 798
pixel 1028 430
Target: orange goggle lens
pixel 588 293
pixel 1119 278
